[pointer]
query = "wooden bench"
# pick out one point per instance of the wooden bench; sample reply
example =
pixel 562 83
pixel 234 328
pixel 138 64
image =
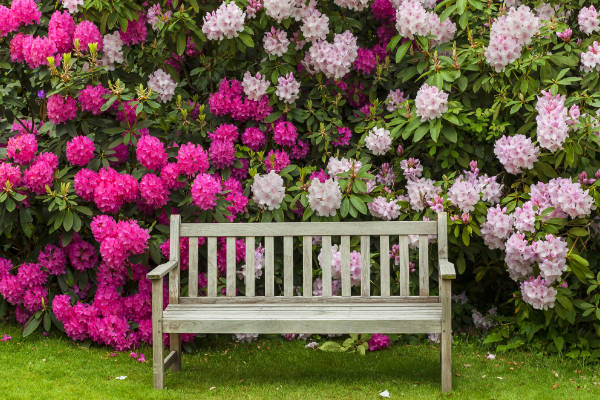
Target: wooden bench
pixel 281 310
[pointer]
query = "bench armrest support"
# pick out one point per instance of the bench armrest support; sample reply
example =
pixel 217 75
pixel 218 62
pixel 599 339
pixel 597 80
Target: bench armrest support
pixel 162 270
pixel 447 269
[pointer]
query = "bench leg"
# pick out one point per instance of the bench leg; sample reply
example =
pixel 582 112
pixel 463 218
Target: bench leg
pixel 175 345
pixel 446 338
pixel 157 335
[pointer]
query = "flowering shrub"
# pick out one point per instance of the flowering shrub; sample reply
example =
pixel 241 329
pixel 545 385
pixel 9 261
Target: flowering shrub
pixel 117 114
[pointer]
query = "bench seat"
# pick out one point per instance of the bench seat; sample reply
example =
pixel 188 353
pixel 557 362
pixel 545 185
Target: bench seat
pixel 300 317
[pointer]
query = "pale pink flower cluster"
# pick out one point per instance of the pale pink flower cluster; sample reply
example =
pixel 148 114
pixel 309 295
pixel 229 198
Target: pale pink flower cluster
pixel 113 50
pixel 411 168
pixel 155 16
pixel 508 35
pixel 288 88
pixel 431 102
pixel 552 127
pixel 72 5
pixel 570 198
pixel 333 59
pixel 336 265
pixel 275 42
pixel 324 198
pixel 268 190
pixel 481 321
pixel 588 20
pixel 463 194
pixel 381 208
pixel 538 293
pixel 519 257
pixel 497 227
pixel 590 59
pixel 379 141
pixel 394 99
pixel 551 255
pixel 259 263
pixel 470 187
pixel 412 19
pixel 524 217
pixel 420 191
pixel 279 9
pixel 162 83
pixel 516 153
pixel 315 26
pixel 336 287
pixel 227 21
pixel 255 87
pixel 354 5
pixel 337 166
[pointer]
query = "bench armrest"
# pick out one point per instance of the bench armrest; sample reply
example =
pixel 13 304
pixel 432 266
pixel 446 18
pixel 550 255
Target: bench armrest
pixel 162 270
pixel 447 270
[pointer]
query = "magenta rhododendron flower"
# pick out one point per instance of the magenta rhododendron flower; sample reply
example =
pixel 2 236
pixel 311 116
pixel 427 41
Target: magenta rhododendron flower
pixel 80 150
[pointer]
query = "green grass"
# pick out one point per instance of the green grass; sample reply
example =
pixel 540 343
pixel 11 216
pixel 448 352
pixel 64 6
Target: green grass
pixel 53 367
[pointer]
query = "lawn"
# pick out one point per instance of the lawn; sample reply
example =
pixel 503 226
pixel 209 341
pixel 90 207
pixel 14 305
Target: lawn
pixel 53 367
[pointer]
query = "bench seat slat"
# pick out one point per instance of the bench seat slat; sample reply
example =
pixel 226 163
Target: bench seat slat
pixel 366 228
pixel 323 318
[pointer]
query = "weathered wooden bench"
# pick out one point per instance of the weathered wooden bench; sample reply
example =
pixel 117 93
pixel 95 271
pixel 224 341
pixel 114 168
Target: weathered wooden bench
pixel 286 312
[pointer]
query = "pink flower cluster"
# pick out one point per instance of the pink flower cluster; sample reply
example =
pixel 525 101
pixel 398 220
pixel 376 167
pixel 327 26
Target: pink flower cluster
pixel 136 31
pixel 552 128
pixel 151 153
pixel 508 35
pixel 162 83
pixel 107 188
pixel 61 109
pixel 228 100
pixel 192 159
pixel 92 98
pixel 21 148
pixel 255 87
pixel 41 173
pixel 21 12
pixel 378 342
pixel 118 240
pixel 25 289
pixel 205 190
pixel 80 150
pixel 590 59
pixel 516 153
pixel 288 88
pixel 275 42
pixel 497 227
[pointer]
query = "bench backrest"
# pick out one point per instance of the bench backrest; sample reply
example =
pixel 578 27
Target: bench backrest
pixel 396 230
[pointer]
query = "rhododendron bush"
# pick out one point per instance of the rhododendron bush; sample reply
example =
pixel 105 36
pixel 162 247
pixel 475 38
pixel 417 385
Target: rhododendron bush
pixel 117 114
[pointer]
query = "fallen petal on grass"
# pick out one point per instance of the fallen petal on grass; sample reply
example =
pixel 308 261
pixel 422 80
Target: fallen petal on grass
pixel 385 393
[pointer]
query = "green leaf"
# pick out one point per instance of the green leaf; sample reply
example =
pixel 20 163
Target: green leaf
pixel 450 134
pixel 331 347
pixel 31 326
pixel 358 204
pixel 393 43
pixel 401 52
pixel 577 231
pixel 47 322
pixel 246 39
pixel 461 5
pixel 181 42
pixel 435 128
pixel 10 205
pixel 68 221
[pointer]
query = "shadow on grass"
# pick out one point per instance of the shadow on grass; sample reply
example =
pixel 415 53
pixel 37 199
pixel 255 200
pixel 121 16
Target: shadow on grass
pixel 265 363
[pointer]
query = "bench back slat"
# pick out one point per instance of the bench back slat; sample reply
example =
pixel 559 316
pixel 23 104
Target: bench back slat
pixel 269 266
pixel 174 235
pixel 326 267
pixel 365 266
pixel 310 228
pixel 307 266
pixel 288 266
pixel 345 250
pixel 384 263
pixel 193 269
pixel 404 267
pixel 230 273
pixel 423 265
pixel 212 266
pixel 343 234
pixel 250 251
